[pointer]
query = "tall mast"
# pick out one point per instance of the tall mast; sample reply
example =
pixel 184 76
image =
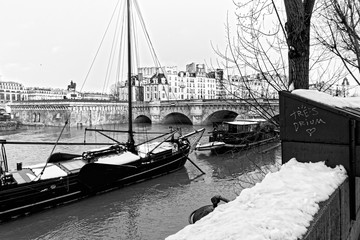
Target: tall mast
pixel 131 141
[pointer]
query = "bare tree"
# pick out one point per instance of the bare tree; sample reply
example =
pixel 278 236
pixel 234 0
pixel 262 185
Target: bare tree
pixel 339 31
pixel 114 90
pixel 262 38
pixel 274 39
pixel 259 47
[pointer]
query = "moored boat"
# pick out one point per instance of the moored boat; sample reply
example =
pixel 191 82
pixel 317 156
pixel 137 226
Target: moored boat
pixel 239 135
pixel 67 177
pixel 6 123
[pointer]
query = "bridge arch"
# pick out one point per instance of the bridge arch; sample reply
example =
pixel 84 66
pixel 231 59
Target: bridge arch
pixel 220 116
pixel 142 119
pixel 176 118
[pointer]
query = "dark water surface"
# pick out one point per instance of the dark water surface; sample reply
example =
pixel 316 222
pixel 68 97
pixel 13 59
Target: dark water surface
pixel 152 210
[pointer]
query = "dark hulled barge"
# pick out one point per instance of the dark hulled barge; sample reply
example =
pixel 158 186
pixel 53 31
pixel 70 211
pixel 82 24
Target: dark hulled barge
pixel 239 135
pixel 68 177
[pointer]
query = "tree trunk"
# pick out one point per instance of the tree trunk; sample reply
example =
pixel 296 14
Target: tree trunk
pixel 299 61
pixel 298 39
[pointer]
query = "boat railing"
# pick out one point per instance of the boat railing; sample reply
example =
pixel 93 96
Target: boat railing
pixel 3 157
pixel 4 142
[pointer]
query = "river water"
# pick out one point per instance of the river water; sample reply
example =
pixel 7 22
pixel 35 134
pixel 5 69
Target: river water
pixel 150 210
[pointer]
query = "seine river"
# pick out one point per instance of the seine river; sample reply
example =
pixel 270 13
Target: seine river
pixel 149 210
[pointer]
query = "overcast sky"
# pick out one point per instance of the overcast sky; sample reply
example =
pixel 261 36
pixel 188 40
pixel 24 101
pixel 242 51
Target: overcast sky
pixel 49 43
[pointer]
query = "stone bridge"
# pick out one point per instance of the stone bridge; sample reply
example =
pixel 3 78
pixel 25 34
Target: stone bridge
pixel 203 112
pixel 91 113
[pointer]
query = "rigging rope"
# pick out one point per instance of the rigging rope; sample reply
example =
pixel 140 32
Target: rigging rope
pixel 112 51
pixel 52 151
pixel 101 42
pixel 118 44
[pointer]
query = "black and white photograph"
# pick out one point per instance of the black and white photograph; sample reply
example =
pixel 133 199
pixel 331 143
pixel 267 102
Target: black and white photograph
pixel 180 120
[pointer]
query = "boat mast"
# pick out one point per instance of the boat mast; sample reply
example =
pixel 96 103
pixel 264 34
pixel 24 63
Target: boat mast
pixel 131 142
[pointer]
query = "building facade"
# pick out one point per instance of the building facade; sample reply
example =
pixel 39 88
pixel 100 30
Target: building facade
pixel 10 91
pixel 168 84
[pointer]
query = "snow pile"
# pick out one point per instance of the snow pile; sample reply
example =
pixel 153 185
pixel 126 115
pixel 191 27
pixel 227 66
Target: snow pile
pixel 341 102
pixel 280 207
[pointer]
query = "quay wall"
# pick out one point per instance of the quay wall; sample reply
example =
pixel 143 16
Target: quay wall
pixel 333 221
pixel 312 130
pixel 78 114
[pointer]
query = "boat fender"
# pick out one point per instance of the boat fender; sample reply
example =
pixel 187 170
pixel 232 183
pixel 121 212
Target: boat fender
pixel 205 210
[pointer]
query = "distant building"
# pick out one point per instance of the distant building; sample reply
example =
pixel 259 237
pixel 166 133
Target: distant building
pixel 342 89
pixel 137 89
pixel 169 84
pixel 38 93
pixel 10 91
pixel 164 84
pixel 95 96
pixel 254 86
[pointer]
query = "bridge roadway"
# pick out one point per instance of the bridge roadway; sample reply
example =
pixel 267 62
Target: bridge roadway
pixel 91 113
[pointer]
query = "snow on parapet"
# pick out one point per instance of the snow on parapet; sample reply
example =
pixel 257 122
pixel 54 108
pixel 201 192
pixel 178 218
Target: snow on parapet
pixel 280 207
pixel 321 97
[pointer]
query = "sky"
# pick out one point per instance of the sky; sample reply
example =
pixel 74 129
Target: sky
pixel 280 207
pixel 49 43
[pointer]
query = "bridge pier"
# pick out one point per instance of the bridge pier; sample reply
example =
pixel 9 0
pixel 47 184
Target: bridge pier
pixel 155 112
pixel 196 113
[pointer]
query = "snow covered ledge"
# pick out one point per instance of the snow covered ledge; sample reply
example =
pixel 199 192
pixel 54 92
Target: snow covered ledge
pixel 282 206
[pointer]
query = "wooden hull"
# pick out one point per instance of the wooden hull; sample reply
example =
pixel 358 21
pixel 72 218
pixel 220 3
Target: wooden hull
pixel 102 177
pixel 93 178
pixel 34 196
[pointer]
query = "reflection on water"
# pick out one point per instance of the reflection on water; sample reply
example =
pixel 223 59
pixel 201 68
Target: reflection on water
pixel 149 210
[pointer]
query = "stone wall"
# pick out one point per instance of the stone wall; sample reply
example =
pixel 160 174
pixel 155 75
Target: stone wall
pixel 332 222
pixel 55 113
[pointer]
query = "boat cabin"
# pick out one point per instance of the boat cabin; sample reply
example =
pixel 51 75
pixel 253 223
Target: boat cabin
pixel 238 131
pixel 241 126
